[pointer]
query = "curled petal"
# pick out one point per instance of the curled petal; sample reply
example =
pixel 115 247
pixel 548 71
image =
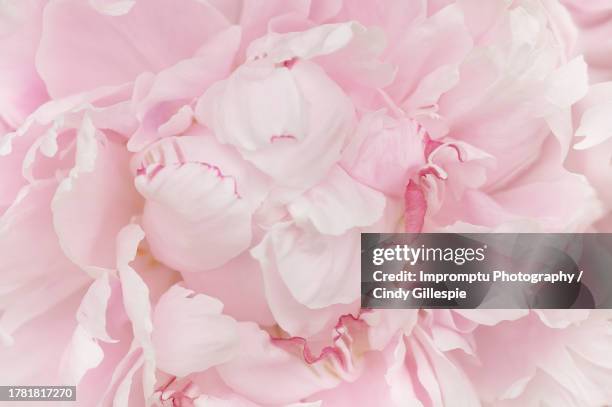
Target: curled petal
pixel 249 373
pixel 185 225
pixel 200 198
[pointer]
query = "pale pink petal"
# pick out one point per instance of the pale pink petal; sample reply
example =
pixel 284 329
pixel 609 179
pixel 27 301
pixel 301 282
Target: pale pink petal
pixel 190 332
pixel 194 206
pixel 322 10
pixel 22 88
pixel 13 149
pixel 317 41
pixel 297 134
pixel 566 86
pixel 401 389
pixel 211 401
pixel 395 17
pixel 125 366
pixel 254 15
pixel 482 19
pixel 304 305
pixel 136 300
pixel 231 9
pixel 385 152
pixel 111 50
pixel 96 381
pixel 556 318
pixel 441 380
pixel 388 323
pixel 593 111
pixel 29 361
pixel 325 205
pixel 294 317
pixel 540 362
pixel 318 270
pixel 86 212
pixel 246 301
pixel 594 127
pixel 44 280
pixel 534 195
pixel 379 384
pixel 350 53
pixel 283 113
pixel 113 7
pixel 425 97
pixel 163 107
pixel 91 314
pixel 492 317
pixel 83 354
pixel 438 41
pixel 260 366
pixel 122 395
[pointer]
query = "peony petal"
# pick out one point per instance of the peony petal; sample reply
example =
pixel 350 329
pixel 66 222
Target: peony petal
pixel 28 360
pixel 318 270
pixel 595 127
pixel 136 301
pixel 398 377
pixel 566 86
pixel 317 41
pixel 535 196
pixel 190 333
pixel 393 16
pixel 298 133
pixel 321 10
pixel 112 50
pixel 386 324
pixel 283 114
pixel 113 7
pixel 44 280
pixel 254 15
pixel 157 106
pixel 22 88
pixel 86 212
pixel 83 354
pixel 385 152
pixel 199 196
pixel 303 305
pixel 122 395
pixel 92 311
pixel 440 40
pixel 178 226
pixel 246 301
pixel 416 207
pixel 260 366
pixel 338 204
pixel 540 362
pixel 294 317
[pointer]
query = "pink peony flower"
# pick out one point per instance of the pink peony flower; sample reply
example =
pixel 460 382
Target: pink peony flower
pixel 183 185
